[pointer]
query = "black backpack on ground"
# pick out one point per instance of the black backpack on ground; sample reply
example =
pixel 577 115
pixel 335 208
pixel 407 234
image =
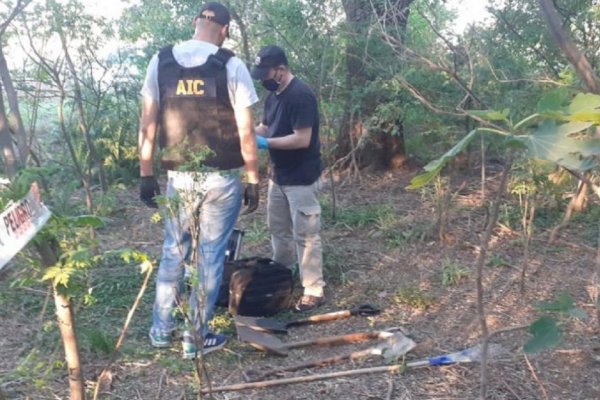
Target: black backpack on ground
pixel 255 286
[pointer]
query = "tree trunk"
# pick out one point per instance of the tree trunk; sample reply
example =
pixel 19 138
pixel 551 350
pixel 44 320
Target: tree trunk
pixel 14 115
pixel 382 149
pixel 9 156
pixel 66 323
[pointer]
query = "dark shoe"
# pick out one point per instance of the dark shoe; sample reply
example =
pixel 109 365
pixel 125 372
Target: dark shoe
pixel 308 302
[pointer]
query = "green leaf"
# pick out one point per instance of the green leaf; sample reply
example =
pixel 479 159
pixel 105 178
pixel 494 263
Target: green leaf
pixel 553 142
pixel 553 100
pixel 592 116
pixel 564 303
pixel 435 166
pixel 584 102
pixel 546 335
pixel 423 179
pixel 453 152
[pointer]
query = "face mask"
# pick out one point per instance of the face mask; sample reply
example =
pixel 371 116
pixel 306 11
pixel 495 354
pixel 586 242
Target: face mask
pixel 270 84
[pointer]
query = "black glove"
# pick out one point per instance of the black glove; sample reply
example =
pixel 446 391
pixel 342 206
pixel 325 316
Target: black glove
pixel 148 189
pixel 251 197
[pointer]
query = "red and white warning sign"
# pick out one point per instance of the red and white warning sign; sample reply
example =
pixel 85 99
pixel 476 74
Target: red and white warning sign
pixel 19 223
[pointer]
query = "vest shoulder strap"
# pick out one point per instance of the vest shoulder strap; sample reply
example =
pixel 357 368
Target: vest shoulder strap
pixel 220 58
pixel 165 51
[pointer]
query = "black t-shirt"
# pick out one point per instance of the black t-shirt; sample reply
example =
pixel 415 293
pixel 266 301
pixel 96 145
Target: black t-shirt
pixel 295 108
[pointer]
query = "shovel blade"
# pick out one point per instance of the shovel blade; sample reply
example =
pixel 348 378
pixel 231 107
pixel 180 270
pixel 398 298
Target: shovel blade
pixel 261 340
pixel 261 324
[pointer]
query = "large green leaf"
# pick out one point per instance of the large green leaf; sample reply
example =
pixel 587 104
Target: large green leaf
pixel 546 335
pixel 592 116
pixel 435 166
pixel 554 143
pixel 584 102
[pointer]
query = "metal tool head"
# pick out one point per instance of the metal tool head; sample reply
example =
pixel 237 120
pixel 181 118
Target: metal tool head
pixel 394 346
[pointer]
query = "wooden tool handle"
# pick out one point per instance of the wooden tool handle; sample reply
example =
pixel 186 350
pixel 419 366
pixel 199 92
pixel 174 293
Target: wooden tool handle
pixel 321 318
pixel 363 310
pixel 334 340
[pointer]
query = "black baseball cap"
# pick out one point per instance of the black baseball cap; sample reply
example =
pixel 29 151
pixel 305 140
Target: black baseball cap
pixel 268 57
pixel 215 12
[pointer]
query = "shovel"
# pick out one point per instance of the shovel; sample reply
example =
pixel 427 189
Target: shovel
pixel 272 344
pixel 392 348
pixel 275 326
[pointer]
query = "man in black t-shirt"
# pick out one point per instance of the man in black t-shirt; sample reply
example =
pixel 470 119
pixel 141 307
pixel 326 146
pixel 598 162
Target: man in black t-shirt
pixel 290 131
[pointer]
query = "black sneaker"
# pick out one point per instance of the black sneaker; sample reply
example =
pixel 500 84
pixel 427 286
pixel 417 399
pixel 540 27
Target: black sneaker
pixel 308 302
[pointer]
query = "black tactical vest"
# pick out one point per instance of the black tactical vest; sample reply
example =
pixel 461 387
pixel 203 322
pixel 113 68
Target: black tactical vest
pixel 195 114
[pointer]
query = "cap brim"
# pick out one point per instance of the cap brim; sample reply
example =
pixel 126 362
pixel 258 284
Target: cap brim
pixel 259 73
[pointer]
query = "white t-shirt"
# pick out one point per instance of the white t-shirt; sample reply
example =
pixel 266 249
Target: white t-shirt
pixel 192 53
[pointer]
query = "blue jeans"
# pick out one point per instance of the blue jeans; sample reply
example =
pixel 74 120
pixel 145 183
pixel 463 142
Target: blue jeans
pixel 215 199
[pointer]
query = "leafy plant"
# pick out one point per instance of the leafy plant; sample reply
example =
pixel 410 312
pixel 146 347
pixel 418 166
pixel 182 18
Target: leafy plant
pixel 453 273
pixel 497 261
pixel 361 216
pixel 256 233
pixel 414 297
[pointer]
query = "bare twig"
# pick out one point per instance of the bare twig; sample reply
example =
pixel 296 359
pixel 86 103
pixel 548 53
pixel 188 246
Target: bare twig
pixel 575 57
pixel 390 391
pixel 596 283
pixel 19 6
pixel 508 329
pixel 160 383
pixel 121 339
pixel 527 232
pixel 480 263
pixel 539 81
pixel 536 377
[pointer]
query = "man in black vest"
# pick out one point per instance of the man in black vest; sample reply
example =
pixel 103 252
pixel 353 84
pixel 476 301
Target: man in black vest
pixel 290 130
pixel 197 100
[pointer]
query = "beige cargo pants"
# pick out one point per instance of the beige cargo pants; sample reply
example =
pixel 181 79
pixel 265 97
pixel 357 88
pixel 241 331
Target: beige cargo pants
pixel 294 219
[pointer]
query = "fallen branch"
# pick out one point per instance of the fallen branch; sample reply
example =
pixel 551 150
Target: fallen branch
pixel 301 379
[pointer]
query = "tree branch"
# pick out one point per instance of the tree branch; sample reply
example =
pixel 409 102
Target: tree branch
pixel 575 57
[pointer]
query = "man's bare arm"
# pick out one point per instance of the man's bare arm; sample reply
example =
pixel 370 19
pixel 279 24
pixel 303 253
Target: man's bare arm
pixel 245 126
pixel 147 135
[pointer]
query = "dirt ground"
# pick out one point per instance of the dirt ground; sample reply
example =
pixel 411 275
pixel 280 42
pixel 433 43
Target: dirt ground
pixel 382 249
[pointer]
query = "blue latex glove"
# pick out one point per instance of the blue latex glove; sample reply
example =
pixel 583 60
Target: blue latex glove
pixel 262 142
